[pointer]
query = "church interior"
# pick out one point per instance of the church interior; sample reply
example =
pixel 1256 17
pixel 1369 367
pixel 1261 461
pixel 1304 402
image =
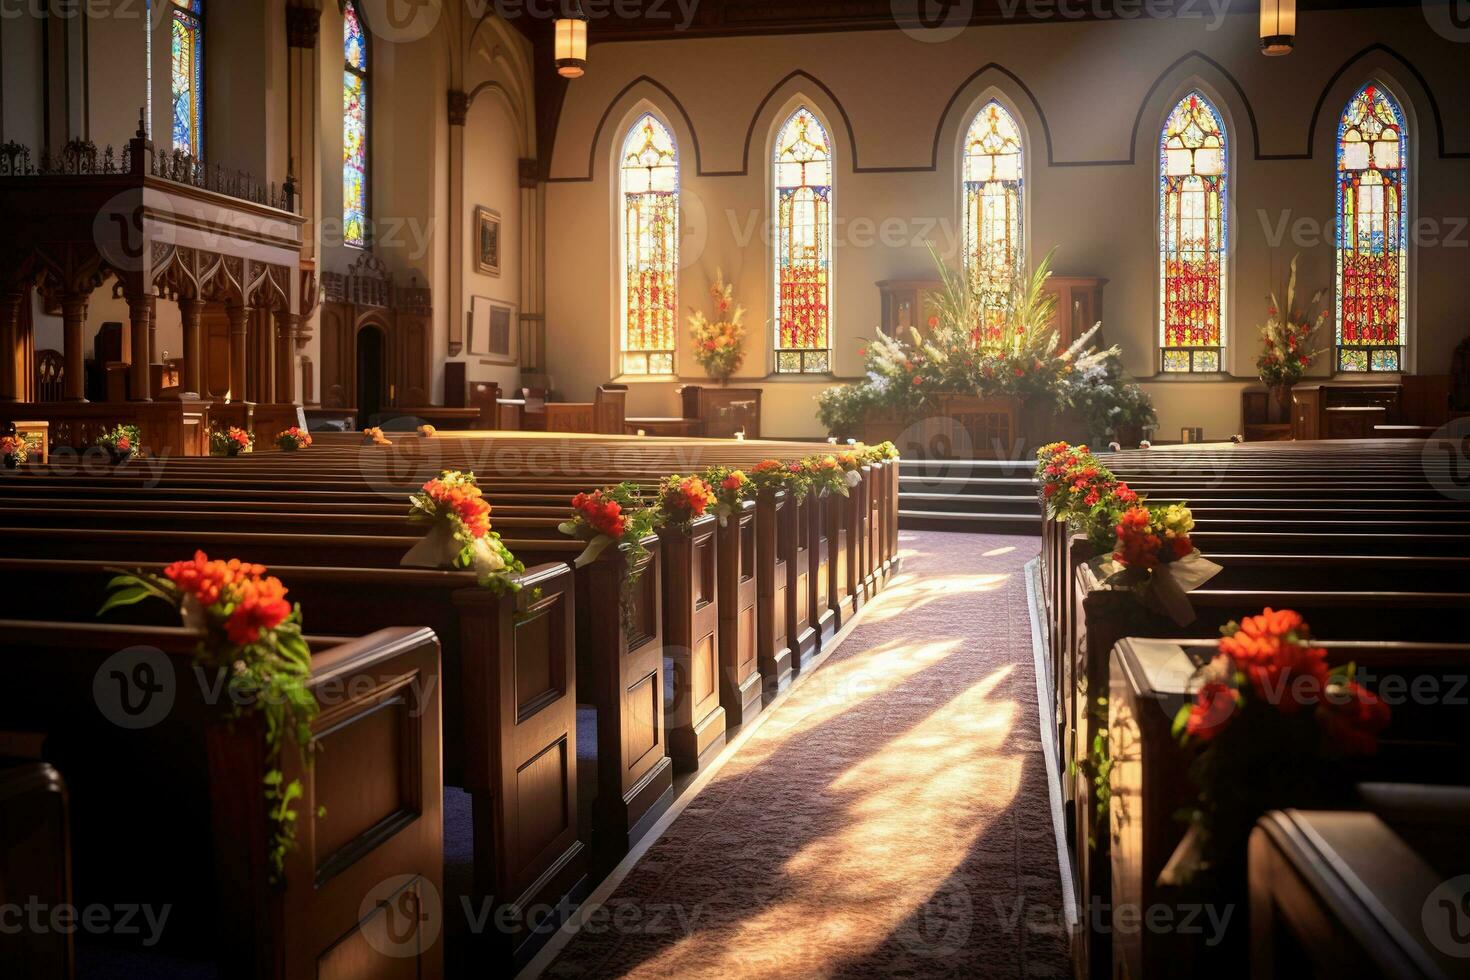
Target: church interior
pixel 1022 449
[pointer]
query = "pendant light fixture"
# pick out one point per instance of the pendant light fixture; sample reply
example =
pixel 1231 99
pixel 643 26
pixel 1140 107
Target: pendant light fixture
pixel 1278 27
pixel 571 41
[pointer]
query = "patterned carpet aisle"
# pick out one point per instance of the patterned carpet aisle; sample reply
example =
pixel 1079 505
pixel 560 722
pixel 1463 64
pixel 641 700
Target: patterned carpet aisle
pixel 890 818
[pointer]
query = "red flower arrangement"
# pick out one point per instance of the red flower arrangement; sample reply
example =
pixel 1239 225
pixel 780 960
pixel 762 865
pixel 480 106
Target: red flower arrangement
pixel 1278 728
pixel 292 439
pixel 250 634
pixel 233 441
pixel 612 515
pixel 826 473
pixel 13 451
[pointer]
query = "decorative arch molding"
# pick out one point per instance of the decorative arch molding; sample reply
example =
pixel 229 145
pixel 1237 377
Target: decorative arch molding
pixel 1211 72
pixel 1409 100
pixel 774 122
pixel 1214 79
pixel 613 104
pixel 976 90
pixel 512 106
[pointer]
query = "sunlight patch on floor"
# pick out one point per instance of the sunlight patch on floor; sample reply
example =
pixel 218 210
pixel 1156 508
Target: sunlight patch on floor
pixel 910 814
pixel 843 685
pixel 907 594
pixel 997 552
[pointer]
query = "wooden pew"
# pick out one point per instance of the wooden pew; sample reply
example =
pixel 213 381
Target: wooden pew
pixel 35 865
pixel 695 721
pixel 1356 893
pixel 1149 774
pixel 370 813
pixel 511 701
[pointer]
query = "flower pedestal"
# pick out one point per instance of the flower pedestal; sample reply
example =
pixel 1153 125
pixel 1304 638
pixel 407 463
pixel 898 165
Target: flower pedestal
pixel 1278 406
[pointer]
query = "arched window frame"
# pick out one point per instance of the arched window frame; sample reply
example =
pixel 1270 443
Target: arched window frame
pixel 993 208
pixel 648 251
pixel 356 79
pixel 1194 186
pixel 802 310
pixel 186 75
pixel 1379 346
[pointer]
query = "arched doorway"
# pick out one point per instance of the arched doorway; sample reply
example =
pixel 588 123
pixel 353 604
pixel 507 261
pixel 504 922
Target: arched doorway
pixel 370 343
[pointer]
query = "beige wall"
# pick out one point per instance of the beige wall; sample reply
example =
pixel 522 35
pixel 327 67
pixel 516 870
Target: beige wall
pixel 886 94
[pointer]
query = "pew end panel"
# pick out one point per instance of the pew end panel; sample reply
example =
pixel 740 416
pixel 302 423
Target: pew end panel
pixel 519 707
pixel 775 556
pixel 695 719
pixel 621 622
pixel 740 676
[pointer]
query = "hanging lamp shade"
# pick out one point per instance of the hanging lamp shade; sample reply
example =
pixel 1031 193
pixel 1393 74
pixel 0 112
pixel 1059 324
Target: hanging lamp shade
pixel 571 42
pixel 1278 27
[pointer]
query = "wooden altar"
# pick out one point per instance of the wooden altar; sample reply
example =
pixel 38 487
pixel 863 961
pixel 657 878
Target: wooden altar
pixel 905 305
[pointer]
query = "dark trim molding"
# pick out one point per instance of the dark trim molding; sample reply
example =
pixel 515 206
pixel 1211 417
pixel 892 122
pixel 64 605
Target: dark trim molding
pixel 1023 89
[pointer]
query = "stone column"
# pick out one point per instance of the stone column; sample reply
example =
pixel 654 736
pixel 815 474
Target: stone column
pixel 140 315
pixel 287 324
pixel 12 382
pixel 239 324
pixel 193 314
pixel 73 319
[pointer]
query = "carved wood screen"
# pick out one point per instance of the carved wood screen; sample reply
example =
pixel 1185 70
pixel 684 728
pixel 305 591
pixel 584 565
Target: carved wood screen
pixel 365 298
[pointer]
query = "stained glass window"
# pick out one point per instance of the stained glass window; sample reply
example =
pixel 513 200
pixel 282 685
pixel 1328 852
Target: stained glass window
pixel 186 74
pixel 650 194
pixel 354 128
pixel 1193 208
pixel 993 215
pixel 1372 232
pixel 803 162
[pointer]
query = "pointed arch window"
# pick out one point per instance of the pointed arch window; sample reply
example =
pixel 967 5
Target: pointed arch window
pixel 186 74
pixel 649 186
pixel 803 208
pixel 355 130
pixel 994 217
pixel 1372 232
pixel 1193 234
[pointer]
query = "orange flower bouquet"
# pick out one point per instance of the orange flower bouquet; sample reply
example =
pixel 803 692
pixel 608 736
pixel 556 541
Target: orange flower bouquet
pixel 375 436
pixel 613 515
pixel 292 439
pixel 233 441
pixel 459 534
pixel 1155 557
pixel 250 638
pixel 826 473
pixel 1277 727
pixel 731 488
pixel 682 499
pixel 717 342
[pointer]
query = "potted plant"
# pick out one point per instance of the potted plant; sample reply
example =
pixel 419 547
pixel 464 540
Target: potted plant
pixel 1287 349
pixel 717 342
pixel 121 443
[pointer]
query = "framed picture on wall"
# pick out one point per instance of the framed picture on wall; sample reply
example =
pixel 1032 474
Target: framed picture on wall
pixel 493 332
pixel 487 224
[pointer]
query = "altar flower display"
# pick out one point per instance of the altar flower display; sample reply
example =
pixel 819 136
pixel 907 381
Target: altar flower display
pixel 1288 337
pixel 233 441
pixel 614 515
pixel 292 439
pixel 13 451
pixel 251 635
pixel 681 499
pixel 717 342
pixel 460 535
pixel 1275 727
pixel 1155 558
